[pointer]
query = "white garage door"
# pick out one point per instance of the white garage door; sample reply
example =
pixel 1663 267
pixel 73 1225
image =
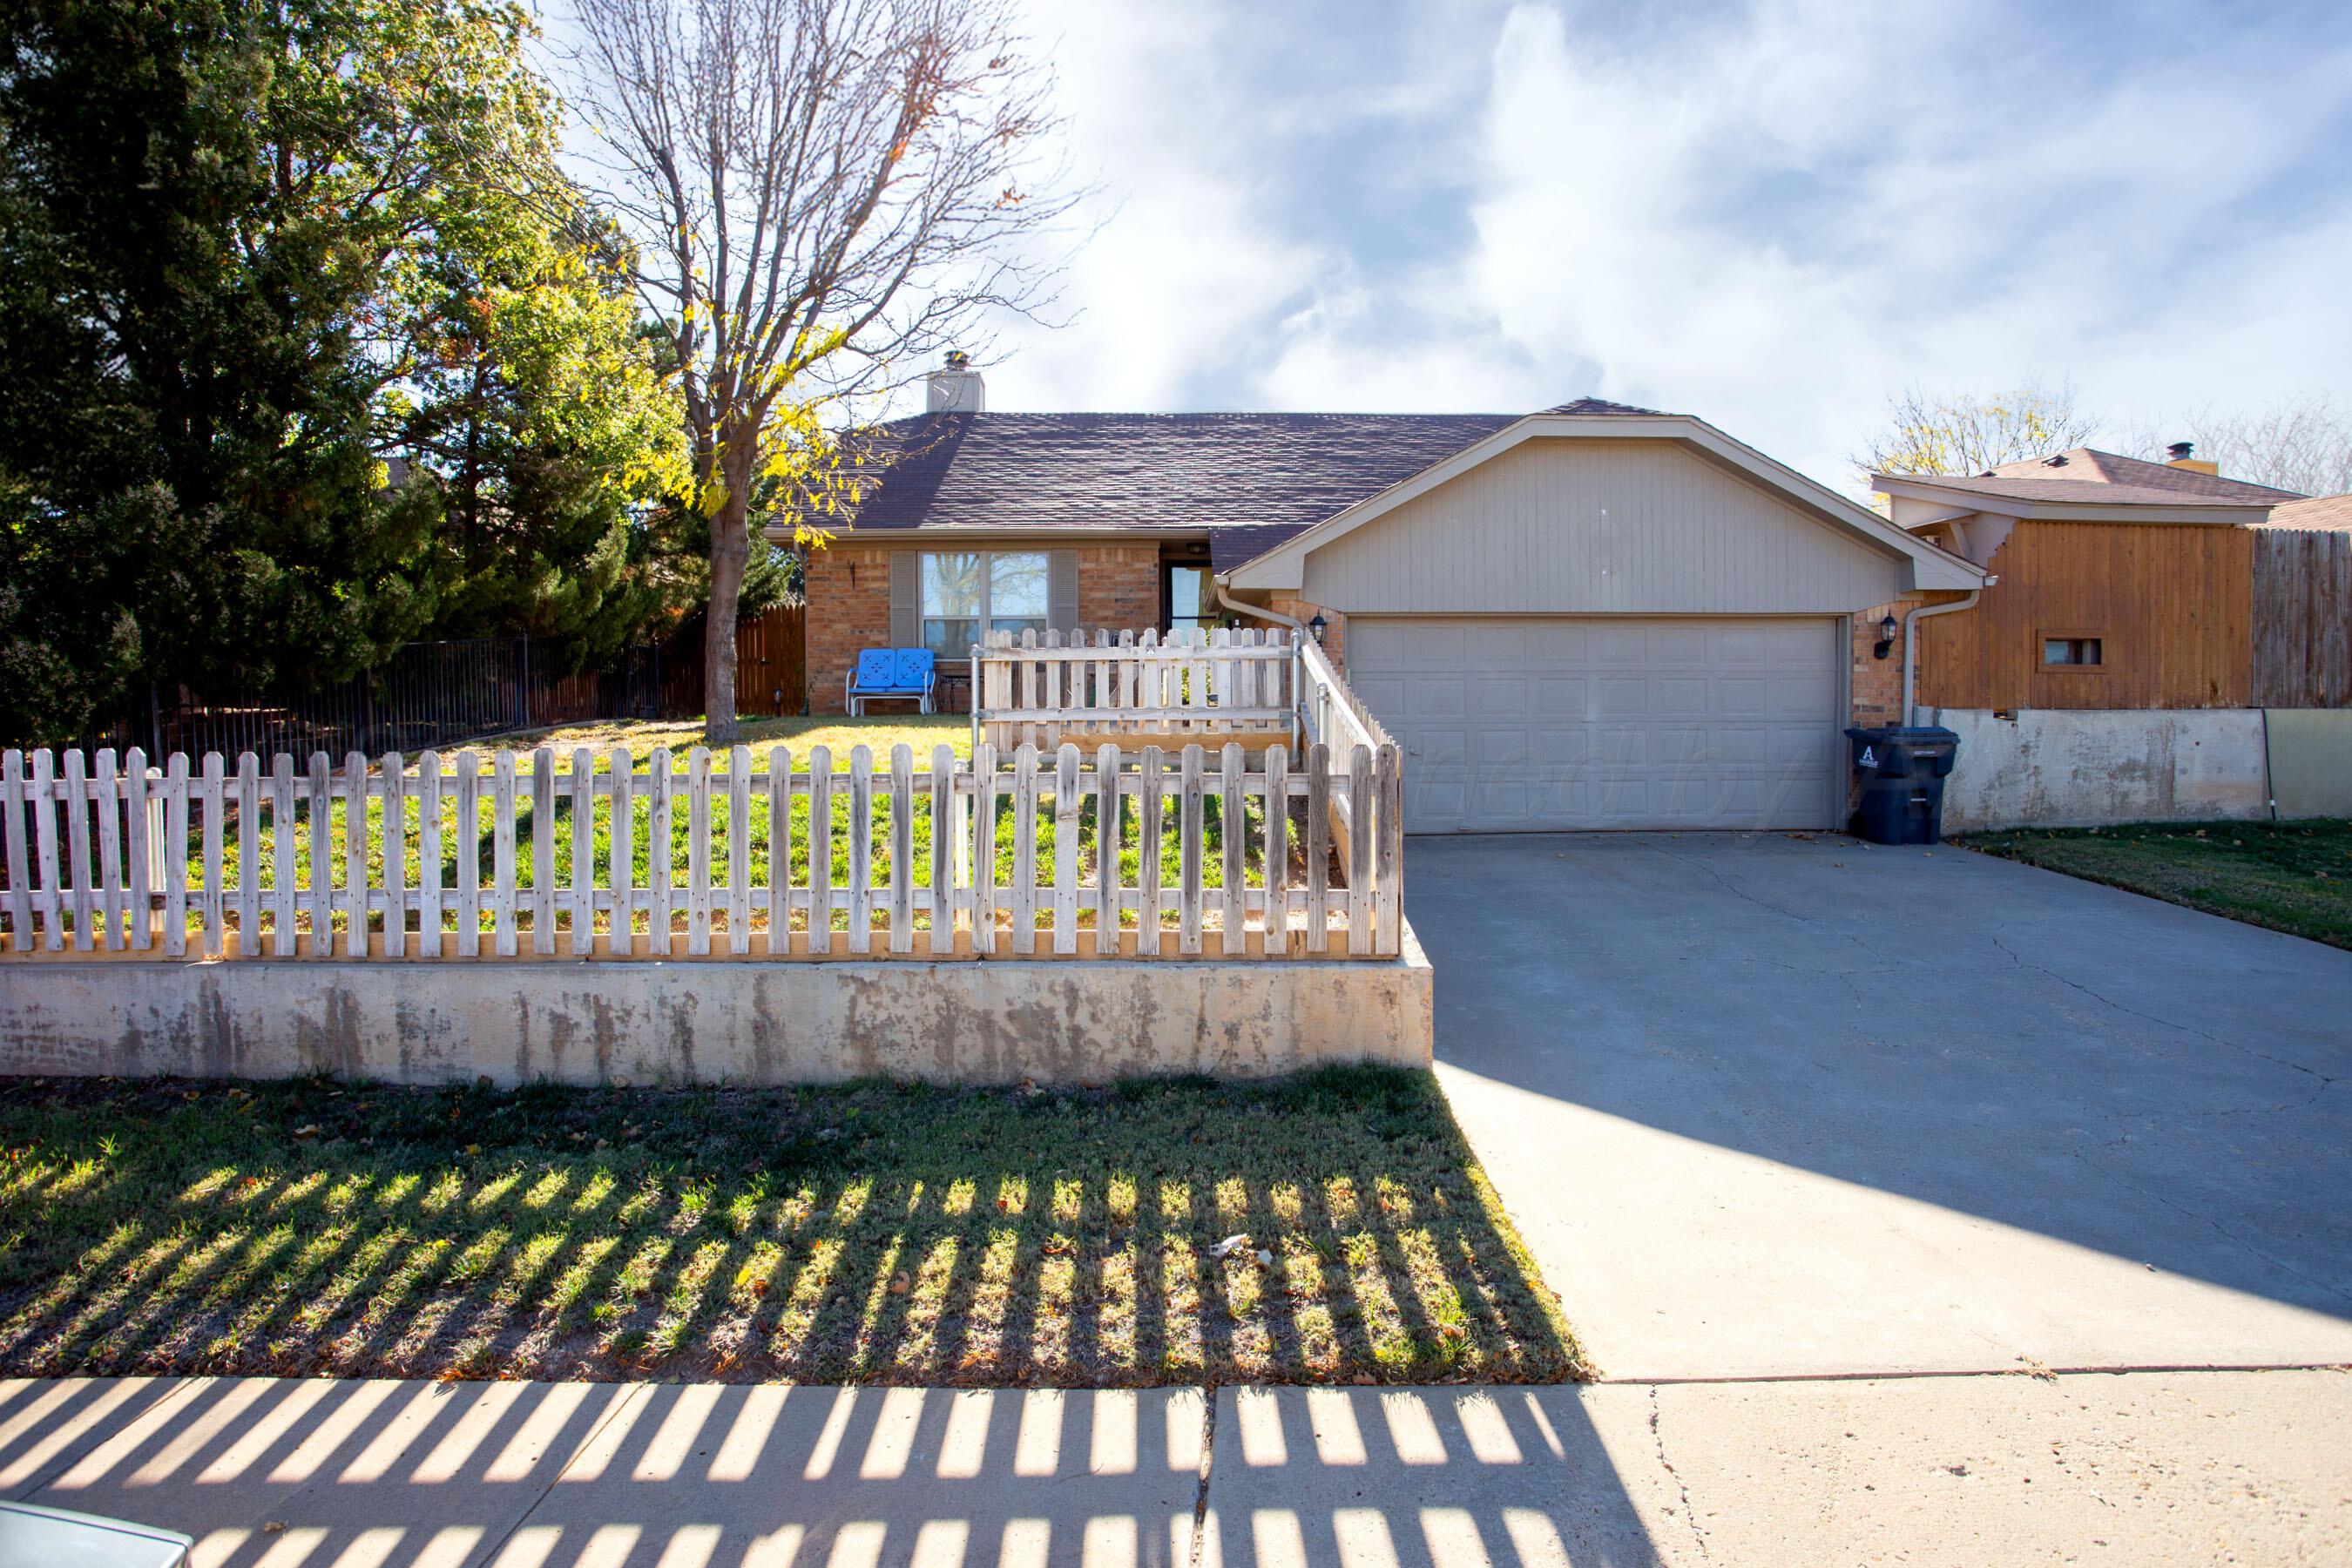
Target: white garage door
pixel 1558 722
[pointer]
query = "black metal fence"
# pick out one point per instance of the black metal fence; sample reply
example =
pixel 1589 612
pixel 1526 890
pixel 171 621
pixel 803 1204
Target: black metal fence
pixel 425 695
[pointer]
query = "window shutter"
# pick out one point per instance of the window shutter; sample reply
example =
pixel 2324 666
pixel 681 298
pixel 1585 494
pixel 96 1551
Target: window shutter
pixel 906 609
pixel 1062 590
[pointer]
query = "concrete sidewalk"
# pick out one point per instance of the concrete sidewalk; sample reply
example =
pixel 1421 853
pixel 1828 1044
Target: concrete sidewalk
pixel 317 1474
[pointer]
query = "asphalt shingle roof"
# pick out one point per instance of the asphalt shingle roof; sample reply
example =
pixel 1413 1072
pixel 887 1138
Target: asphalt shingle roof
pixel 1250 480
pixel 2319 511
pixel 2078 465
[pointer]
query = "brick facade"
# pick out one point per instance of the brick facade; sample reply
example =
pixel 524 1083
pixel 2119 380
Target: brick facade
pixel 1875 694
pixel 848 609
pixel 1119 587
pixel 1334 633
pixel 849 605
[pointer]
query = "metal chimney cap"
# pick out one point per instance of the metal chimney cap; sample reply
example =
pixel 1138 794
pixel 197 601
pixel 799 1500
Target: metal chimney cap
pixel 959 360
pixel 2182 450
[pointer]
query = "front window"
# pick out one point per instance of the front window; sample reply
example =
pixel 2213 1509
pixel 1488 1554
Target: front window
pixel 955 596
pixel 966 591
pixel 1191 601
pixel 1016 593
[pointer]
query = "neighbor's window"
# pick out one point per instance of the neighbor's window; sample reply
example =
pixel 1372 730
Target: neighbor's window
pixel 2070 653
pixel 967 590
pixel 1191 601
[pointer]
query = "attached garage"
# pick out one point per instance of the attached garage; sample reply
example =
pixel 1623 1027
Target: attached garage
pixel 1614 620
pixel 1551 723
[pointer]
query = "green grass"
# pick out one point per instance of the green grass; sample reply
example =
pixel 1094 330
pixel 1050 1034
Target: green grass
pixel 2295 877
pixel 877 1233
pixel 919 732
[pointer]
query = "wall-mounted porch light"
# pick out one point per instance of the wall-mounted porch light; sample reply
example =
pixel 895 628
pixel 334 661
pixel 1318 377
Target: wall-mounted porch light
pixel 1319 626
pixel 1886 630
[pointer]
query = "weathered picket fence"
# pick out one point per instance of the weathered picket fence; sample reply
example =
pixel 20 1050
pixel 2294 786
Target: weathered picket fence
pixel 1040 690
pixel 1025 857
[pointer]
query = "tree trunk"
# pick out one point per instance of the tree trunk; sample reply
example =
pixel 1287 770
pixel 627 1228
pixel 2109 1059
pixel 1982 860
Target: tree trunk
pixel 730 553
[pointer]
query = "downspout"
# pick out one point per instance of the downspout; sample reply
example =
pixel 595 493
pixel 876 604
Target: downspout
pixel 1911 641
pixel 1297 680
pixel 1263 614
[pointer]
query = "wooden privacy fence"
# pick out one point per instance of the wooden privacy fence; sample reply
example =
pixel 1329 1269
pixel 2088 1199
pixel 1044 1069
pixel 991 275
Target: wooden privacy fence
pixel 1109 854
pixel 1236 683
pixel 2303 617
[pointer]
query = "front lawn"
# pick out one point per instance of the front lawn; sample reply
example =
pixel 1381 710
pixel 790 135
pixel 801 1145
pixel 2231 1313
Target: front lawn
pixel 879 1232
pixel 920 732
pixel 2295 877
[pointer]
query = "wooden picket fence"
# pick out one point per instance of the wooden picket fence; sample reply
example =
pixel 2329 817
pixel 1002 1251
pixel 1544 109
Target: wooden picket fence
pixel 253 862
pixel 1232 683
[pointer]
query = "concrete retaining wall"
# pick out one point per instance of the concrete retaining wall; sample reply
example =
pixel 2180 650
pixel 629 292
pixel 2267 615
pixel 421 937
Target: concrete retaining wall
pixel 758 1022
pixel 2077 768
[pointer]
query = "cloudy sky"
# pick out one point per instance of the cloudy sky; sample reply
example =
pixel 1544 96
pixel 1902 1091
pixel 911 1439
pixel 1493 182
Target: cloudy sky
pixel 1768 215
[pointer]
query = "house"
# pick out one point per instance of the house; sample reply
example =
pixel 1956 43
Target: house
pixel 2143 624
pixel 1594 615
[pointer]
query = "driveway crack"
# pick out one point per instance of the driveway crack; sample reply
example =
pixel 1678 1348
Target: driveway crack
pixel 1682 1488
pixel 2107 1001
pixel 2222 1230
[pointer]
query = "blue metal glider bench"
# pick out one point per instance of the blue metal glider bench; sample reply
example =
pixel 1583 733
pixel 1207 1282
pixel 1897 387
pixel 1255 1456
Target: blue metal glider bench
pixel 900 673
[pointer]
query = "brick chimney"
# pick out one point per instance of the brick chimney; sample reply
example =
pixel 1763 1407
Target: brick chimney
pixel 2182 455
pixel 955 387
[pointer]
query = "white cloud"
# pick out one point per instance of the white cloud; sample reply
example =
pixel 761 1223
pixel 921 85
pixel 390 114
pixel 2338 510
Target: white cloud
pixel 1771 214
pixel 1186 259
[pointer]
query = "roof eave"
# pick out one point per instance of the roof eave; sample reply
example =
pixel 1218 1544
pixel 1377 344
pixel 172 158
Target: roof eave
pixel 1283 567
pixel 2199 512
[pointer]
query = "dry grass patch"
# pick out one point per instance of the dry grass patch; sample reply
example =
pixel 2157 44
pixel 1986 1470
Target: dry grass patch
pixel 876 1233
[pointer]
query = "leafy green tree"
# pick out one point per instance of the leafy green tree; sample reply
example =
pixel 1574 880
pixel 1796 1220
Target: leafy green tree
pixel 309 348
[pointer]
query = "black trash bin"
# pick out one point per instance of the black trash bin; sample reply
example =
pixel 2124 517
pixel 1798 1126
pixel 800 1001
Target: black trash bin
pixel 1903 769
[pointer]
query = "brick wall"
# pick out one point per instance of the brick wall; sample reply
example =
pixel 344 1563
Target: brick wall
pixel 848 609
pixel 1334 634
pixel 1876 697
pixel 1119 587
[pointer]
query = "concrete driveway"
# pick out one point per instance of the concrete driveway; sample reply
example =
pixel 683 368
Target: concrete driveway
pixel 1769 1106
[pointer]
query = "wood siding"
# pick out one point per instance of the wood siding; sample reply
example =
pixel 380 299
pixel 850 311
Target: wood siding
pixel 2170 603
pixel 2303 617
pixel 1600 527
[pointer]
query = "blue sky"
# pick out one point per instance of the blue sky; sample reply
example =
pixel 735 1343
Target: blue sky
pixel 1768 215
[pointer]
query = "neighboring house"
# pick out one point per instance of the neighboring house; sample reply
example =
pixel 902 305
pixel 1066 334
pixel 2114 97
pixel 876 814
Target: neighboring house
pixel 2140 618
pixel 1591 617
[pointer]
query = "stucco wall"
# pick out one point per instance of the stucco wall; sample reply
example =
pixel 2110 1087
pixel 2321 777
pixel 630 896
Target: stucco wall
pixel 2310 761
pixel 992 1022
pixel 2051 767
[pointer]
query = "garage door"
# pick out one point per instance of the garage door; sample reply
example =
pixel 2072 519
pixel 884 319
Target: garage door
pixel 1607 722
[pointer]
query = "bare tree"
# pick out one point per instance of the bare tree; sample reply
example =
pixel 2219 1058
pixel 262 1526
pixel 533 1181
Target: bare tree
pixel 822 193
pixel 1968 432
pixel 2304 443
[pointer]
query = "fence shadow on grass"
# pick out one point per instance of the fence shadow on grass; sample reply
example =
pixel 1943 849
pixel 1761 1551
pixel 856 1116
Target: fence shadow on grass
pixel 873 1233
pixel 390 1474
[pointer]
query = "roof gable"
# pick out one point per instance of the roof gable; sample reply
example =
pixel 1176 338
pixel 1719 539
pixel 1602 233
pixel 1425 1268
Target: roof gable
pixel 1282 567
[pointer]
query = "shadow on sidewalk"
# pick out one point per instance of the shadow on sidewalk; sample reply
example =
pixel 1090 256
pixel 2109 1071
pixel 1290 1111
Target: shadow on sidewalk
pixel 269 1473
